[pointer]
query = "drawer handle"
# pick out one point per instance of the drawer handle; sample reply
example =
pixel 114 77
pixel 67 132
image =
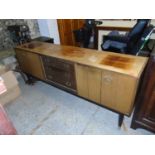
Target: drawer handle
pixel 68 83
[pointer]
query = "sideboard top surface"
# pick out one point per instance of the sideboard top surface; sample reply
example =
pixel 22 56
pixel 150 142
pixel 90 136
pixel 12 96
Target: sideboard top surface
pixel 121 63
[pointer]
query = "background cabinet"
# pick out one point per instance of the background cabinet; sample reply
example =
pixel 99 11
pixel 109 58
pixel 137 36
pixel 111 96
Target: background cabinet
pixel 144 115
pixel 66 28
pixel 88 82
pixel 30 63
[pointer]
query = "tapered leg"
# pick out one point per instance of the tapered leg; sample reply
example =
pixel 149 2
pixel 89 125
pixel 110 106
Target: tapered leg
pixel 31 80
pixel 120 120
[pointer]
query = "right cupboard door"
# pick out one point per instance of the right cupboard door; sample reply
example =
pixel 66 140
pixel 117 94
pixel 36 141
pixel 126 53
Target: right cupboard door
pixel 118 91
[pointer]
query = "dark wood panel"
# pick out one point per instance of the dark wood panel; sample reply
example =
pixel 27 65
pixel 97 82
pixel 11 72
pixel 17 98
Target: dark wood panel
pixel 57 63
pixel 151 109
pixel 59 71
pixel 66 28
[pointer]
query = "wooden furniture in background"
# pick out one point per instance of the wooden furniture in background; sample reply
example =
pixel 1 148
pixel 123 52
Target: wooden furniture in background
pixel 144 115
pixel 105 78
pixel 66 28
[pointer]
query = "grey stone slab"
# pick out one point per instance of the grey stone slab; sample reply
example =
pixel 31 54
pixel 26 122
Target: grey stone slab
pixel 65 121
pixel 71 117
pixel 44 109
pixel 29 109
pixel 104 122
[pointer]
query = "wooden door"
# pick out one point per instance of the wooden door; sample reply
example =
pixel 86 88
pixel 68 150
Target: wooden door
pixel 118 91
pixel 30 63
pixel 88 82
pixel 66 28
pixel 59 71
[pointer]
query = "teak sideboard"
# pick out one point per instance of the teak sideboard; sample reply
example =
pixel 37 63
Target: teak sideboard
pixel 105 78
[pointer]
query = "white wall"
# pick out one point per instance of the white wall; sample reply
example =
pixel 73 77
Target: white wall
pixel 43 27
pixel 49 28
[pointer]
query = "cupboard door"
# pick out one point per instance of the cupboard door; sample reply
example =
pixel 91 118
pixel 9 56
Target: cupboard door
pixel 81 80
pixel 30 63
pixel 118 91
pixel 88 82
pixel 59 71
pixel 22 59
pixel 94 84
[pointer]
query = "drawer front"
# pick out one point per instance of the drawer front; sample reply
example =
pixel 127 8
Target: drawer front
pixel 60 73
pixel 60 76
pixel 118 91
pixel 89 82
pixel 57 63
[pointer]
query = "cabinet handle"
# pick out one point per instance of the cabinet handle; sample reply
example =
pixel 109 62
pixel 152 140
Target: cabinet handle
pixel 107 78
pixel 68 83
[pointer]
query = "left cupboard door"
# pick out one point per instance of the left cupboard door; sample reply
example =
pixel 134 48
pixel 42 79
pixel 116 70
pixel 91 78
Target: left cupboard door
pixel 30 63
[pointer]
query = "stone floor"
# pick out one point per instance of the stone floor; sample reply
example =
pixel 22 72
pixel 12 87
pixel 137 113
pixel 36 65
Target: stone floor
pixel 44 109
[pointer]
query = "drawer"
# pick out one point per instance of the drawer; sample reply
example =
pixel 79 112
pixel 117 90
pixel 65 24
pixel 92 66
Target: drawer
pixel 59 72
pixel 57 63
pixel 68 81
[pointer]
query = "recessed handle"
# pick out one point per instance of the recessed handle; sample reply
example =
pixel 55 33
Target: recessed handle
pixel 107 78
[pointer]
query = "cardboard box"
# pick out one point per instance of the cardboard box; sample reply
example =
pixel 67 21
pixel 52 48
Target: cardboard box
pixel 3 69
pixel 13 90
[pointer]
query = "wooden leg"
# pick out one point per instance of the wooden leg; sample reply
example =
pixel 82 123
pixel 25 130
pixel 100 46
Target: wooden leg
pixel 30 80
pixel 120 120
pixel 134 125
